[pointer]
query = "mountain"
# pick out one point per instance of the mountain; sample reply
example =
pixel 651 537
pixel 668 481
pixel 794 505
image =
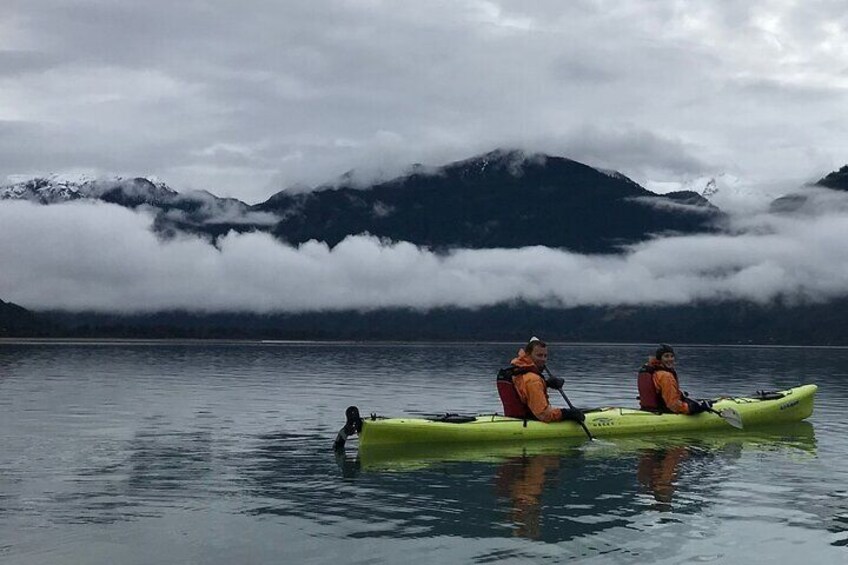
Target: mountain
pixel 837 180
pixel 55 189
pixel 18 321
pixel 198 212
pixel 797 201
pixel 500 199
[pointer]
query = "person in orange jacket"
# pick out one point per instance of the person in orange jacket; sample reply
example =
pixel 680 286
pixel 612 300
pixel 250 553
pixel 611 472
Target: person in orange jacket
pixel 523 389
pixel 659 387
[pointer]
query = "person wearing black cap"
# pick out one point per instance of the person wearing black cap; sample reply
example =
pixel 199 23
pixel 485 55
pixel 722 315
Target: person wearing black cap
pixel 659 387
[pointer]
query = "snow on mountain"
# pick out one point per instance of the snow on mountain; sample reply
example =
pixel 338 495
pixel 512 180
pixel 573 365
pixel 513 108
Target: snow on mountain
pixel 706 186
pixel 726 191
pixel 53 189
pixel 174 211
pixel 44 190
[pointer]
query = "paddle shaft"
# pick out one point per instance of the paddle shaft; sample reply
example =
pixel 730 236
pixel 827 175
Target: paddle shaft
pixel 570 405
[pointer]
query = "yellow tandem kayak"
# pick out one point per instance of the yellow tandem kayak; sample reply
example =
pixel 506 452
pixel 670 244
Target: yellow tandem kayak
pixel 764 409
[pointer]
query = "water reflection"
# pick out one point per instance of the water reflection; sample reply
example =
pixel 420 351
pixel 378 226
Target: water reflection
pixel 155 470
pixel 555 491
pixel 521 482
pixel 658 470
pixel 547 491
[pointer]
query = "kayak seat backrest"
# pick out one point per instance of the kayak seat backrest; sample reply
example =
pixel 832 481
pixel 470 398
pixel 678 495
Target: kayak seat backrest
pixel 768 395
pixel 453 419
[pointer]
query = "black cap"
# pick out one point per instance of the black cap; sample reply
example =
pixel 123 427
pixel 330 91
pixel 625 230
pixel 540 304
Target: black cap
pixel 662 349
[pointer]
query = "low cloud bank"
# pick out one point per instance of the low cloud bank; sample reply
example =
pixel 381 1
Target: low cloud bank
pixel 101 257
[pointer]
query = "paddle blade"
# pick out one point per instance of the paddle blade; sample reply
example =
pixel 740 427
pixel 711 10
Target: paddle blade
pixel 732 417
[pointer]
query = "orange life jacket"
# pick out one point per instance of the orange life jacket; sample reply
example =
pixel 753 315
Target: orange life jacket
pixel 512 404
pixel 649 396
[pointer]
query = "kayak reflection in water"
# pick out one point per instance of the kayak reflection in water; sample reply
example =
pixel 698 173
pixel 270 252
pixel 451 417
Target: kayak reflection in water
pixel 522 480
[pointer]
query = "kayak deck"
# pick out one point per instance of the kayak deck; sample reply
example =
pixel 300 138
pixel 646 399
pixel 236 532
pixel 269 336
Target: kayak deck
pixel 793 405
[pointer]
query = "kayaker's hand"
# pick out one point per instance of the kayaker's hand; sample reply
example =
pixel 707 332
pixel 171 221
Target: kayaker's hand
pixel 698 406
pixel 554 382
pixel 576 415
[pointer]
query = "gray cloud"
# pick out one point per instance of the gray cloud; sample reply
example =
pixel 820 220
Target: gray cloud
pixel 16 62
pixel 98 256
pixel 245 98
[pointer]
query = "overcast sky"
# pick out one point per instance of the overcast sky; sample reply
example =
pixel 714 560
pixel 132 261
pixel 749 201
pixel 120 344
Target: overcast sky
pixel 246 97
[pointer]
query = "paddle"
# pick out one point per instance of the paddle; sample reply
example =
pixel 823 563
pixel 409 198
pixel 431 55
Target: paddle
pixel 570 405
pixel 730 416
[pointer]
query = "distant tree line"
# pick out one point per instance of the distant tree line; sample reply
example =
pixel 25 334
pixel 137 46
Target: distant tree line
pixel 731 323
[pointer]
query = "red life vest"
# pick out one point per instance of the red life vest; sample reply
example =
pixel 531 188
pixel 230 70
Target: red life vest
pixel 649 398
pixel 512 404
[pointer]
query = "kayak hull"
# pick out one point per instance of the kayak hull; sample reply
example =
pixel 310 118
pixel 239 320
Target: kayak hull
pixel 795 404
pixel 797 438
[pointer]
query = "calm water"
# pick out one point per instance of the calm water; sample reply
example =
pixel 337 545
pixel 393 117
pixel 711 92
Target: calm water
pixel 220 453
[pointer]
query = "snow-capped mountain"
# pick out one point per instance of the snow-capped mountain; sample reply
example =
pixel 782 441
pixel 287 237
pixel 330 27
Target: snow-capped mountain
pixel 707 186
pixel 195 211
pixel 44 190
pixel 726 191
pixel 53 189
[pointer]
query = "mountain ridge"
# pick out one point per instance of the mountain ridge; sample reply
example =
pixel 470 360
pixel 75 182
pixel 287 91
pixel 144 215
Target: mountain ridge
pixel 503 198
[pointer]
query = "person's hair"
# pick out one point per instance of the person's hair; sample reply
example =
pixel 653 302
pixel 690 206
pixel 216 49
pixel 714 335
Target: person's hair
pixel 662 349
pixel 533 344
